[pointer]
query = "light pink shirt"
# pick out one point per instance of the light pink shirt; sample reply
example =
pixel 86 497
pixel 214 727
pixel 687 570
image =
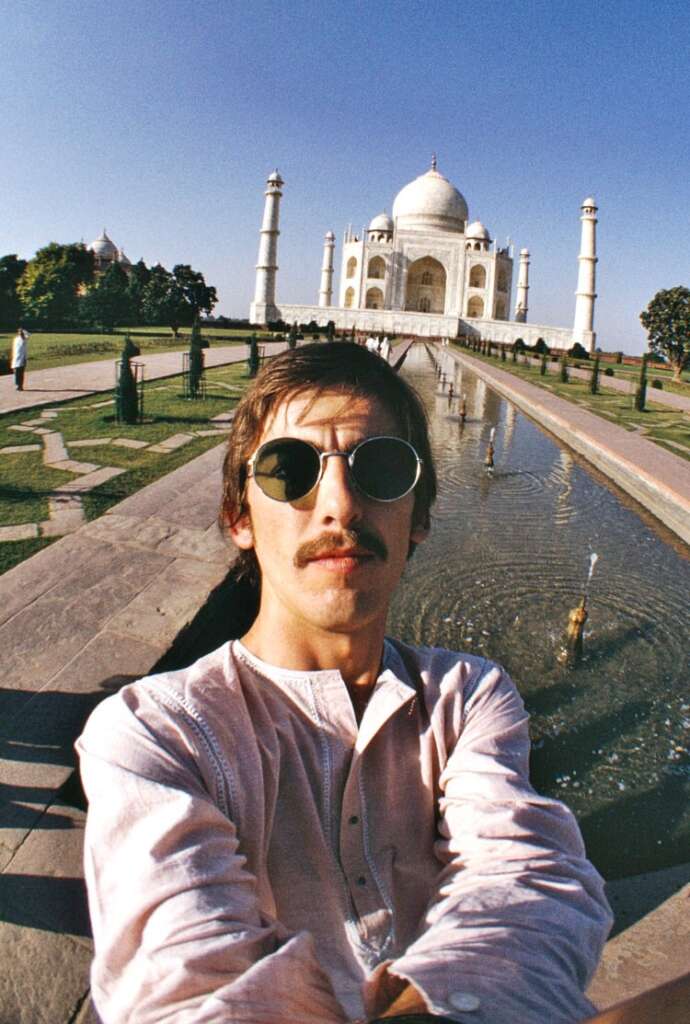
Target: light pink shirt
pixel 254 856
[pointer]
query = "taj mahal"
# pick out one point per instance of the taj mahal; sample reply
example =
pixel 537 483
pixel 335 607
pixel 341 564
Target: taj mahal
pixel 425 270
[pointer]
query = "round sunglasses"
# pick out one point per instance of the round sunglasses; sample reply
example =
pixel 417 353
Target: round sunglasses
pixel 381 468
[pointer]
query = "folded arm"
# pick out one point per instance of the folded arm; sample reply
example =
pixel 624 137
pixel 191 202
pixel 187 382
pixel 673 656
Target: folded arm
pixel 179 933
pixel 516 926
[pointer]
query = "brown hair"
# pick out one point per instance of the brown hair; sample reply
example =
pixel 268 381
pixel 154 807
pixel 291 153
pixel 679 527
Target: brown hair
pixel 340 367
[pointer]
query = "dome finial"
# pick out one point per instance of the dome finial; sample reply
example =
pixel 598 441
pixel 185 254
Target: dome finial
pixel 433 161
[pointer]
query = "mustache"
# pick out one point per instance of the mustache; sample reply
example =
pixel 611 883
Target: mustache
pixel 359 537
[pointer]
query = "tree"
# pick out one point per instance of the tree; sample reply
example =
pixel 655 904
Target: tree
pixel 159 299
pixel 126 397
pixel 667 322
pixel 108 303
pixel 563 376
pixel 196 361
pixel 50 286
pixel 578 351
pixel 176 298
pixel 594 379
pixel 138 279
pixel 11 269
pixel 193 294
pixel 640 395
pixel 253 360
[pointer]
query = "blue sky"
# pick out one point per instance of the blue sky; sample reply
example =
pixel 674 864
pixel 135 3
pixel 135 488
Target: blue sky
pixel 161 120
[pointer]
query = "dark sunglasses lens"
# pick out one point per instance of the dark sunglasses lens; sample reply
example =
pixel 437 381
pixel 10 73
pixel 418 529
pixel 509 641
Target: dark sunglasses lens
pixel 385 468
pixel 286 470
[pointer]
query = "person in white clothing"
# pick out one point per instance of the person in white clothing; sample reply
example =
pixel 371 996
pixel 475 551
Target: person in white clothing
pixel 318 824
pixel 19 357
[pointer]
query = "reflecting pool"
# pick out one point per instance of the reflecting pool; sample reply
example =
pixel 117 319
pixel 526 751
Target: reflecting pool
pixel 506 561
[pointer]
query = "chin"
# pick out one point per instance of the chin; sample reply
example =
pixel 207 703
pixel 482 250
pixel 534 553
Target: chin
pixel 341 612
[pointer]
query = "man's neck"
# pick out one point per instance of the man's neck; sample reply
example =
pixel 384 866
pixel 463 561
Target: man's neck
pixel 357 656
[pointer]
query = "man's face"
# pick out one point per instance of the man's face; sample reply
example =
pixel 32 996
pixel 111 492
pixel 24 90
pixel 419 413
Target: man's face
pixel 330 561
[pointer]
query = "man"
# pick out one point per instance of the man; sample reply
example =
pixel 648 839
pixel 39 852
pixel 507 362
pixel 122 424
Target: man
pixel 315 823
pixel 19 357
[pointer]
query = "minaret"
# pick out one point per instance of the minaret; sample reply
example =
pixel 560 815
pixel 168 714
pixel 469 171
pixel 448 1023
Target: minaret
pixel 263 308
pixel 522 287
pixel 583 327
pixel 326 289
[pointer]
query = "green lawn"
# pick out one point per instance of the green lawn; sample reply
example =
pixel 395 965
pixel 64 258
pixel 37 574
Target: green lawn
pixel 26 481
pixel 47 350
pixel 668 427
pixel 626 372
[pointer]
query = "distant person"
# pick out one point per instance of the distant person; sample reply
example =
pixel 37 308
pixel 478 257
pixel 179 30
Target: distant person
pixel 385 351
pixel 19 357
pixel 372 344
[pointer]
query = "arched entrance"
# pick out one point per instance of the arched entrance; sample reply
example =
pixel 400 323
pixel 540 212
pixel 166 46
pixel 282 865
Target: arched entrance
pixel 374 299
pixel 426 286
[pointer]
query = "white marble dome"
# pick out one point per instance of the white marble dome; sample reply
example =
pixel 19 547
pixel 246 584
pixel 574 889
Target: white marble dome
pixel 104 248
pixel 430 201
pixel 382 222
pixel 477 230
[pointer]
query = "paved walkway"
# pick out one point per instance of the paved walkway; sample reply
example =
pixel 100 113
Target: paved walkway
pixel 656 478
pixel 99 608
pixel 43 387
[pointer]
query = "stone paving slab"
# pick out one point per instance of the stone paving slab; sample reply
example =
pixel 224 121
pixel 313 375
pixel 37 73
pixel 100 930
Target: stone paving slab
pixel 62 521
pixel 91 442
pixel 25 531
pixel 129 442
pixel 171 443
pixel 54 449
pixel 656 478
pixel 42 977
pixel 72 466
pixel 89 481
pixel 16 449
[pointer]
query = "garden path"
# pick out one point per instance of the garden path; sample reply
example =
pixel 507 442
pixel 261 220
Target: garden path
pixel 45 387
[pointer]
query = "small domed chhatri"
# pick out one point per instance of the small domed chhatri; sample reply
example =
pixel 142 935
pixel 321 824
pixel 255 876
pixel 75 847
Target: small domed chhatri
pixel 382 222
pixel 424 271
pixel 477 230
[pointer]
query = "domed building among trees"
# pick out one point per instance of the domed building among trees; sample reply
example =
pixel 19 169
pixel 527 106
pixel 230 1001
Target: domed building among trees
pixel 105 253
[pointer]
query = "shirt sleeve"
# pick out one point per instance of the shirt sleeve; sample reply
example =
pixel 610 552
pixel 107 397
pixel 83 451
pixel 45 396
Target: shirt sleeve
pixel 178 930
pixel 518 920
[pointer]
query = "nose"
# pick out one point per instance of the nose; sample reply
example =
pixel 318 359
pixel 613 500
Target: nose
pixel 337 500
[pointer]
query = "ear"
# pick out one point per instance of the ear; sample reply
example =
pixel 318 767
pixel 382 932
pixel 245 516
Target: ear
pixel 418 534
pixel 241 532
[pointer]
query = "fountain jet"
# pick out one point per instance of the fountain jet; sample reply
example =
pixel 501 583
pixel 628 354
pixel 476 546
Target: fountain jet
pixel 490 452
pixel 571 654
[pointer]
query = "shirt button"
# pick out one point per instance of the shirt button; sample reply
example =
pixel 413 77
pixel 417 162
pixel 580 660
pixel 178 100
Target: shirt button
pixel 354 819
pixel 361 880
pixel 464 1001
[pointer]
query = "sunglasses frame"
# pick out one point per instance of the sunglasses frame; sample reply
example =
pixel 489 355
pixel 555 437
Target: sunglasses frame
pixel 349 455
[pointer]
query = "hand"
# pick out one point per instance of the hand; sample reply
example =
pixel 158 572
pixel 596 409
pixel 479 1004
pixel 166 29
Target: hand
pixel 408 1000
